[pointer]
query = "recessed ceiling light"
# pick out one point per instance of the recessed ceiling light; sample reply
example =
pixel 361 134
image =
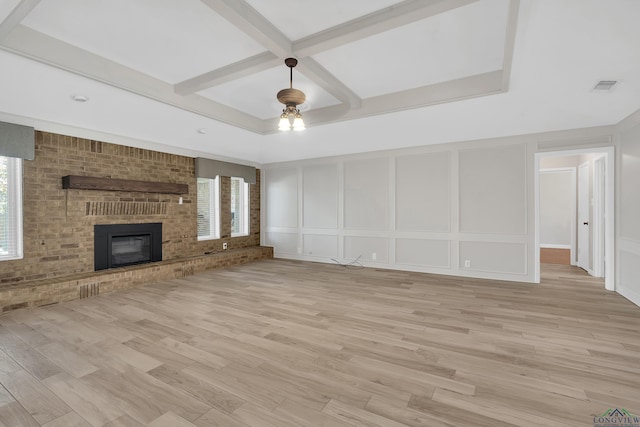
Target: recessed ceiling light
pixel 202 131
pixel 79 98
pixel 605 85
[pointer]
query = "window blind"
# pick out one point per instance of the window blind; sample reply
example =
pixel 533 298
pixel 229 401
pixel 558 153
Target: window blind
pixel 208 209
pixel 10 208
pixel 239 207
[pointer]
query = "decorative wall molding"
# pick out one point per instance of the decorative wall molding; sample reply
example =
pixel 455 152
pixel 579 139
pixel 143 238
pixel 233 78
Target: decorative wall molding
pixel 325 189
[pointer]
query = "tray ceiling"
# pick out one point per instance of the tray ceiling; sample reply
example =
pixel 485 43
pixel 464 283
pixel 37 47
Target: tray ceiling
pixel 223 59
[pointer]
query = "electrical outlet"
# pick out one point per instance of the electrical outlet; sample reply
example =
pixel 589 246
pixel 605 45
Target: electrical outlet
pixel 224 246
pixel 374 256
pixel 299 250
pixel 467 263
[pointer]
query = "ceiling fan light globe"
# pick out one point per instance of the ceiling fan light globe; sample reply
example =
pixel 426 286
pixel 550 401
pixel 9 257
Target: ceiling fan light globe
pixel 284 124
pixel 298 123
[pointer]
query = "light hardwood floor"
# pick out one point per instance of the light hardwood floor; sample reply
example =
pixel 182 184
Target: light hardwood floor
pixel 285 343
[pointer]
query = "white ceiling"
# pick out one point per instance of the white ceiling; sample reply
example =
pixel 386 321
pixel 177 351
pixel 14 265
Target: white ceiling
pixel 378 74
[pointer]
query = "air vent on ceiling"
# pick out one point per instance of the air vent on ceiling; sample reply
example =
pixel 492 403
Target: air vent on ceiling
pixel 605 85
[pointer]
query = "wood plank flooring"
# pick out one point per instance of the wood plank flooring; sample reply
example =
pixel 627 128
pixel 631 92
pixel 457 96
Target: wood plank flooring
pixel 285 343
pixel 555 256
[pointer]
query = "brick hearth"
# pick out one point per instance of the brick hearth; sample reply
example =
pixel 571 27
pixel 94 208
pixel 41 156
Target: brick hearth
pixel 38 293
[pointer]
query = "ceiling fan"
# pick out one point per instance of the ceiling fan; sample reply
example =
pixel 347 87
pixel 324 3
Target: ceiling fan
pixel 291 98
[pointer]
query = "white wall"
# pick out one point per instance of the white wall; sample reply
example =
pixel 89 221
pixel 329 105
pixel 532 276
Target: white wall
pixel 628 194
pixel 426 209
pixel 557 207
pixel 553 162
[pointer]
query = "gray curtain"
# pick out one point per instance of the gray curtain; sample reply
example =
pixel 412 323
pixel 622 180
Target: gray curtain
pixel 17 141
pixel 207 168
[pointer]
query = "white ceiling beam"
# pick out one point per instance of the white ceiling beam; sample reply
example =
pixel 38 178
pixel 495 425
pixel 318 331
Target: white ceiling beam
pixel 16 16
pixel 249 21
pixel 246 67
pixel 327 81
pixel 252 23
pixel 454 90
pixel 376 22
pixel 37 46
pixel 510 42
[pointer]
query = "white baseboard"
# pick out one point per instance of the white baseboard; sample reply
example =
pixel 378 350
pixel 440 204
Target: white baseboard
pixel 629 294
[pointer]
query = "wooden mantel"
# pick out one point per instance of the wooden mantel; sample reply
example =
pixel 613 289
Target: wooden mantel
pixel 77 182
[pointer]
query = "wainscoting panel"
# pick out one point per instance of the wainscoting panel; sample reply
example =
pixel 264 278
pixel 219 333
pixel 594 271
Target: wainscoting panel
pixel 282 197
pixel 320 196
pixel 283 243
pixel 366 194
pixel 494 257
pixel 423 192
pixel 630 175
pixel 421 252
pixel 629 257
pixel 320 245
pixel 367 248
pixel 493 191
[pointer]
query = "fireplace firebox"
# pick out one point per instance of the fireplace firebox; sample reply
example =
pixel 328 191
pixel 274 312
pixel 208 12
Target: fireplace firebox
pixel 119 245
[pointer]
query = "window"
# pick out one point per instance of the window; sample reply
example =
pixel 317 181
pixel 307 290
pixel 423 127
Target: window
pixel 239 207
pixel 10 208
pixel 208 208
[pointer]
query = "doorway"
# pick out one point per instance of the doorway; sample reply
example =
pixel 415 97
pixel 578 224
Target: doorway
pixel 590 241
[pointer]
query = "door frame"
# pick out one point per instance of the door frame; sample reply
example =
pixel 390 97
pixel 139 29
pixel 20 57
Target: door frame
pixel 608 228
pixel 580 199
pixel 598 261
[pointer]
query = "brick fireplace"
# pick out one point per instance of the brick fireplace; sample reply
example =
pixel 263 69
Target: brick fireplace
pixel 59 223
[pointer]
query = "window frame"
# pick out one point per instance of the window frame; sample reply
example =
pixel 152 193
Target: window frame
pixel 14 209
pixel 214 209
pixel 244 207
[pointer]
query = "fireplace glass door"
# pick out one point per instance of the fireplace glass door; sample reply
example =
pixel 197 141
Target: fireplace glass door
pixel 127 250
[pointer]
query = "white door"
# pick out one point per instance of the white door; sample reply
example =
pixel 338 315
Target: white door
pixel 598 218
pixel 584 203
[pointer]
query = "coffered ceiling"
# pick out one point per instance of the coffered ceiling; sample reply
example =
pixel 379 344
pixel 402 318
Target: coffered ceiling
pixel 157 71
